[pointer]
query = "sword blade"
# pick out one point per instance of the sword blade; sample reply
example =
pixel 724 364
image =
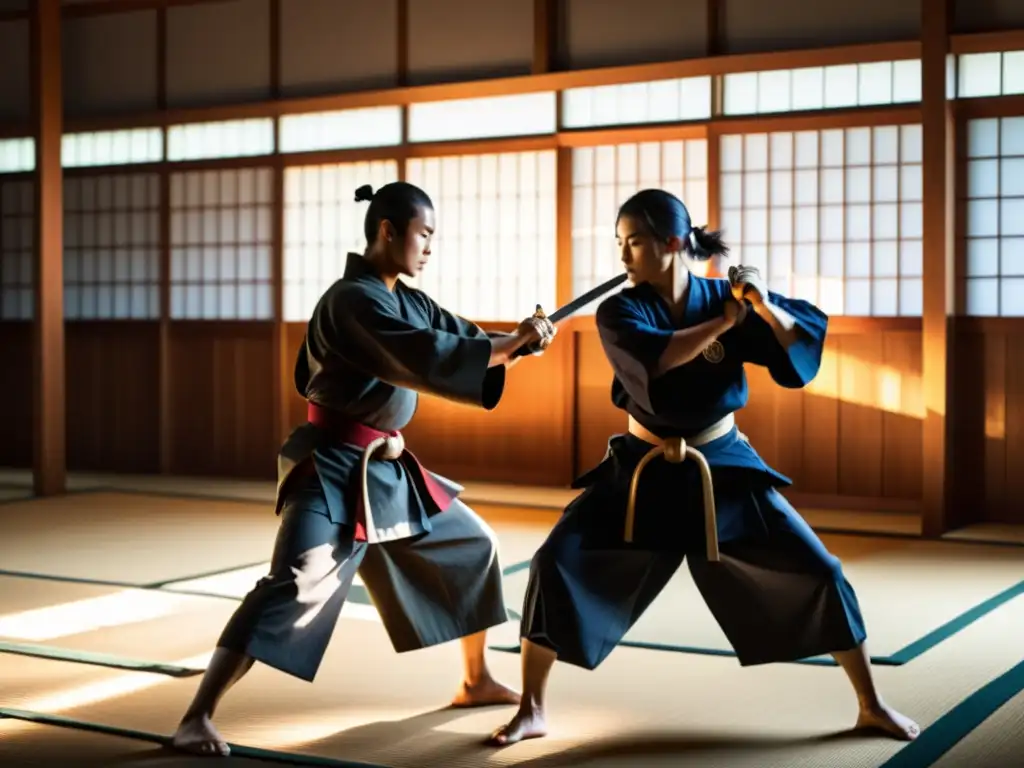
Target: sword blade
pixel 582 300
pixel 574 306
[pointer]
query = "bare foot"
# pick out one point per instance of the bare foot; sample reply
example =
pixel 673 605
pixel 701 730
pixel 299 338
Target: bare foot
pixel 199 737
pixel 884 718
pixel 527 724
pixel 485 692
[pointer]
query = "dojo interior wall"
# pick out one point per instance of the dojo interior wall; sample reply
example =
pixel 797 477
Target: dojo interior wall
pixel 207 396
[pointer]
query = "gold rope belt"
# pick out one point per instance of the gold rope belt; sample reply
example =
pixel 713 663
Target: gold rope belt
pixel 676 450
pixel 389 448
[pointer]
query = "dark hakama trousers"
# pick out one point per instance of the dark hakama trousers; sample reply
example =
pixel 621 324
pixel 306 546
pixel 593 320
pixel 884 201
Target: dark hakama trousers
pixel 429 589
pixel 777 593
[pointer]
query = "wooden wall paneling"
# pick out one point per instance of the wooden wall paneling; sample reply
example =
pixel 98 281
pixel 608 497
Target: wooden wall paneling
pixel 218 53
pixel 601 33
pixel 222 399
pixel 109 64
pixel 16 394
pixel 113 394
pixel 596 418
pixel 820 465
pixel 294 403
pixel 900 398
pixel 778 25
pixel 988 352
pixel 469 40
pixel 972 16
pixel 860 420
pixel 15 82
pixel 329 46
pixel 526 439
pixel 789 433
pixel 1012 508
pixel 757 420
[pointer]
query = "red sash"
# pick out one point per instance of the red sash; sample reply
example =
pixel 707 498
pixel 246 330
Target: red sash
pixel 353 433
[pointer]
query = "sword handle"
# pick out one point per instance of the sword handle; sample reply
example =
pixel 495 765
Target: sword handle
pixel 534 348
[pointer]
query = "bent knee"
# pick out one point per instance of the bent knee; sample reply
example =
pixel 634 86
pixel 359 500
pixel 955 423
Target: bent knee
pixel 552 554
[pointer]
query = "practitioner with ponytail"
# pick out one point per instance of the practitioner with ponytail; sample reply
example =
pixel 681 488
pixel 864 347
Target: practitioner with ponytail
pixel 353 499
pixel 677 344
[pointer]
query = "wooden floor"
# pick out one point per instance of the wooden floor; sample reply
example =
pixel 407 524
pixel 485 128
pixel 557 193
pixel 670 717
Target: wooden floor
pixel 111 600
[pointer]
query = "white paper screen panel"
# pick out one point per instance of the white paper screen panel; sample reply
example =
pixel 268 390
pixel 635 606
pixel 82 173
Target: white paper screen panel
pixel 526 114
pixel 138 145
pixel 322 224
pixel 342 129
pixel 990 74
pixel 659 101
pixel 221 245
pixel 112 247
pixel 17 155
pixel 830 216
pixel 231 138
pixel 493 257
pixel 994 227
pixel 604 177
pixel 17 239
pixel 814 88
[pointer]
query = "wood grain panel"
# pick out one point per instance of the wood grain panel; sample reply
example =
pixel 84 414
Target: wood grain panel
pixel 113 396
pixel 16 394
pixel 1011 508
pixel 990 420
pixel 860 420
pixel 222 399
pixel 295 404
pixel 527 439
pixel 596 418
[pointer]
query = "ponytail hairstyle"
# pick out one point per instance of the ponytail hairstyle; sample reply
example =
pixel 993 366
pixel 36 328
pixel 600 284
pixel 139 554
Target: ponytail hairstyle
pixel 398 202
pixel 666 216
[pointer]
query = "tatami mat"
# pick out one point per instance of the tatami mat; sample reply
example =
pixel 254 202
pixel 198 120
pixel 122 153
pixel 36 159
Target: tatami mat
pixel 132 537
pixel 368 704
pixel 989 532
pixel 673 710
pixel 140 539
pixel 34 745
pixel 996 743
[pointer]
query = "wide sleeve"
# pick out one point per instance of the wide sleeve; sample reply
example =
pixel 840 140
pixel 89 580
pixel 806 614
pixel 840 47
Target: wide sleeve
pixel 797 366
pixel 632 345
pixel 441 362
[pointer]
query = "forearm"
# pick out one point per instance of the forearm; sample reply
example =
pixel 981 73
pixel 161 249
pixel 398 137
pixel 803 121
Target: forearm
pixel 686 344
pixel 782 323
pixel 502 348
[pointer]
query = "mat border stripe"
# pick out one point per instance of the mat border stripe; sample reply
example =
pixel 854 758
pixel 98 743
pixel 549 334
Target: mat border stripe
pixel 934 742
pixel 237 750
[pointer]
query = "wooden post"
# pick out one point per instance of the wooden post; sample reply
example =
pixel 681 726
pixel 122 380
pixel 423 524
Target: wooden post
pixel 49 461
pixel 938 135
